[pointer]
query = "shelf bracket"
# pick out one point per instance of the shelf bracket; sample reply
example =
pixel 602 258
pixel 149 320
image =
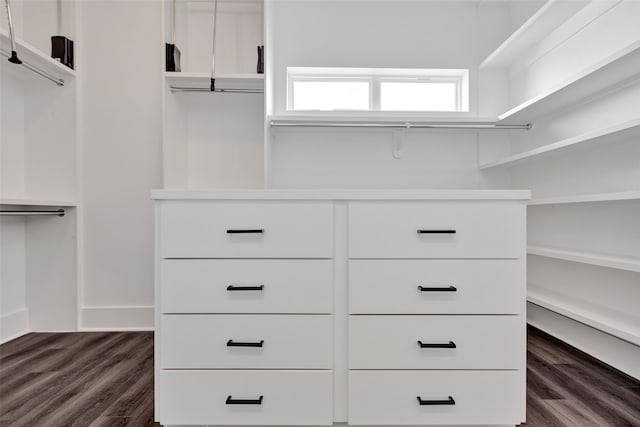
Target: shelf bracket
pixel 397 140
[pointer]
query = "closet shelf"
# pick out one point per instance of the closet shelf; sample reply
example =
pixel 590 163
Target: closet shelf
pixel 605 74
pixel 587 198
pixel 223 80
pixel 602 135
pixel 591 316
pixel 37 202
pixel 538 26
pixel 35 58
pixel 602 260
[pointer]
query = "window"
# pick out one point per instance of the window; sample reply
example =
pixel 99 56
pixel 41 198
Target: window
pixel 328 95
pixel 377 89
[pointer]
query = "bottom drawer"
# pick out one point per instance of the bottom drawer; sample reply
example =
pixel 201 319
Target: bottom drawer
pixel 448 397
pixel 233 397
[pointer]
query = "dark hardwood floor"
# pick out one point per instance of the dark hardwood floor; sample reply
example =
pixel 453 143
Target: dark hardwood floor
pixel 106 379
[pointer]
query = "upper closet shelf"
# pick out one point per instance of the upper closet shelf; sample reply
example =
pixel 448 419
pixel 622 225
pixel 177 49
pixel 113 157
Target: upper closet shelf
pixel 34 60
pixel 541 24
pixel 179 81
pixel 587 198
pixel 619 67
pixel 602 135
pixel 36 202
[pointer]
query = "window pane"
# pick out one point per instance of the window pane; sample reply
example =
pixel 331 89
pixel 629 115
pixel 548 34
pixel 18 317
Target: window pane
pixel 418 96
pixel 329 96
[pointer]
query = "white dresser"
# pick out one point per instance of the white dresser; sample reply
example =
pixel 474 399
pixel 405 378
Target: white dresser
pixel 292 307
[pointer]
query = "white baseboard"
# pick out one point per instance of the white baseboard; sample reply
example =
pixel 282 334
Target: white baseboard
pixel 613 351
pixel 137 318
pixel 14 325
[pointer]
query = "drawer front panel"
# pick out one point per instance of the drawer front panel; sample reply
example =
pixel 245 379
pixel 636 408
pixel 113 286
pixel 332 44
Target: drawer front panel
pixel 233 341
pixel 436 286
pixel 204 229
pixel 288 397
pixel 247 286
pixel 426 230
pixel 391 398
pixel 436 342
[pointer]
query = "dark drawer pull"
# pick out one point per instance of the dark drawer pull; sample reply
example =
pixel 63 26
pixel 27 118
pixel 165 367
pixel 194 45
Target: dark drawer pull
pixel 230 343
pixel 245 288
pixel 231 401
pixel 246 231
pixel 450 344
pixel 438 289
pixel 436 231
pixel 449 401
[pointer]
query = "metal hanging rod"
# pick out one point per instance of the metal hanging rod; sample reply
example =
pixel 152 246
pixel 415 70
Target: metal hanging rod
pixel 405 125
pixel 59 212
pixel 31 67
pixel 216 90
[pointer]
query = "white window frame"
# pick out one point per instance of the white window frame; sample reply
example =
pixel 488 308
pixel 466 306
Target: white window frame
pixel 375 77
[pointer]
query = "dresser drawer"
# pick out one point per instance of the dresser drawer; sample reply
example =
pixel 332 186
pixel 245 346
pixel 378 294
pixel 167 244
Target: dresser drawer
pixel 436 286
pixel 205 229
pixel 436 230
pixel 238 341
pixel 288 397
pixel 246 286
pixel 435 342
pixel 391 398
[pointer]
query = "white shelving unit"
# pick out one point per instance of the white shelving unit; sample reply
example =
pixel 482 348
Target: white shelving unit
pixel 214 140
pixel 38 154
pixel 598 136
pixel 583 261
pixel 223 81
pixel 539 25
pixel 586 198
pixel 602 260
pixel 617 68
pixel 590 315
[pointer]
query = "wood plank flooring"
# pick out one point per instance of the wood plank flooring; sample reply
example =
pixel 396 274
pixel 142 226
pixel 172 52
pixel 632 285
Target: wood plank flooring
pixel 106 379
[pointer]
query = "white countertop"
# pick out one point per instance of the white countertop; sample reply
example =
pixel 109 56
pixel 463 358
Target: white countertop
pixel 355 194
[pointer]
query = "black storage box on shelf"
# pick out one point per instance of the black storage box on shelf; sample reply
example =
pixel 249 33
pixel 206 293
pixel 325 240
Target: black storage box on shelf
pixel 172 57
pixel 62 50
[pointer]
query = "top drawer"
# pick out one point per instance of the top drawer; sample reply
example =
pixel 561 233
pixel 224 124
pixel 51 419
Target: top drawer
pixel 205 229
pixel 451 229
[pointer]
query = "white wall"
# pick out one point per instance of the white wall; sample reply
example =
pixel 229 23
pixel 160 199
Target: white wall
pixel 11 134
pixel 385 34
pixel 120 70
pixel 371 34
pixel 322 158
